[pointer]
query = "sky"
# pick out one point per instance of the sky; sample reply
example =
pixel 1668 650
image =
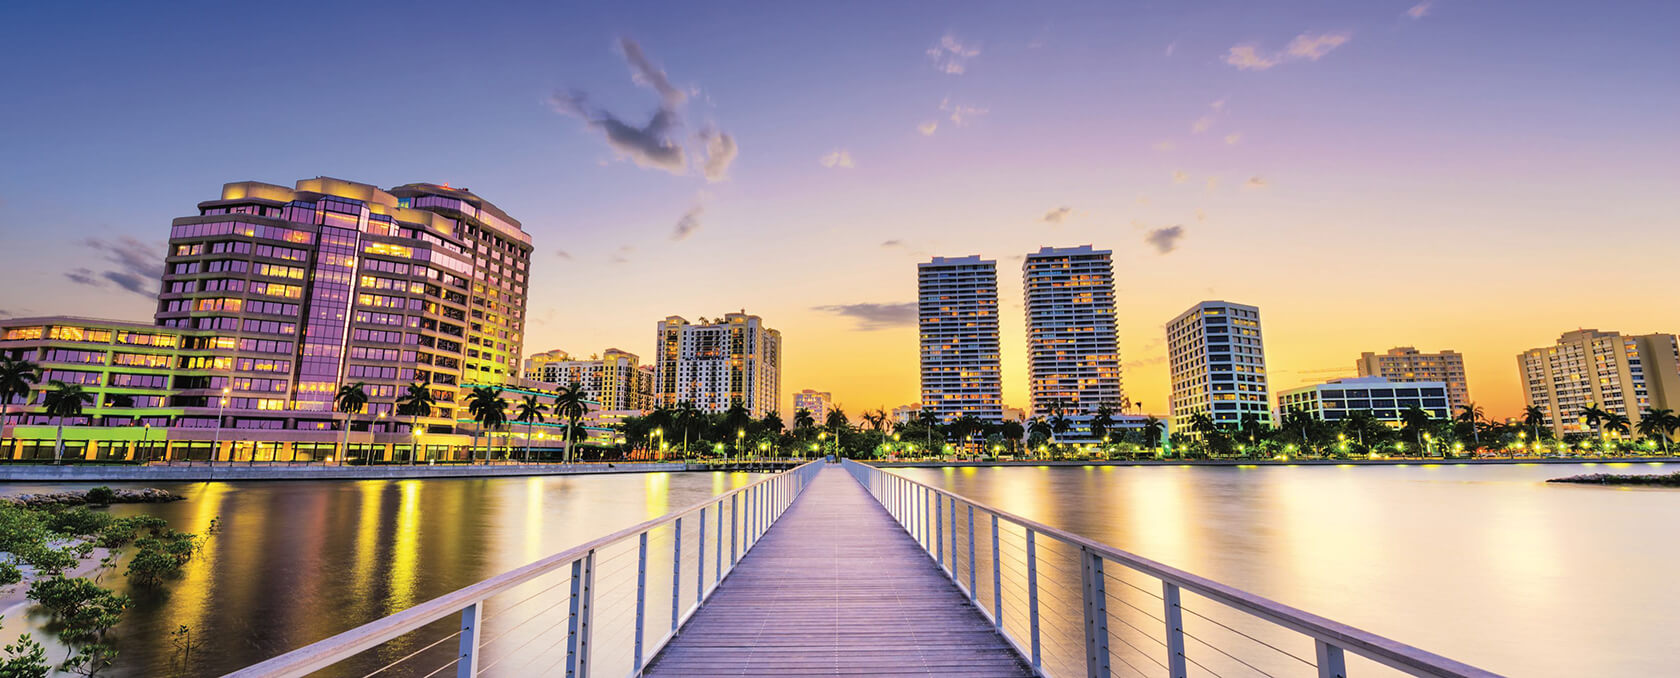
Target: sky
pixel 1447 174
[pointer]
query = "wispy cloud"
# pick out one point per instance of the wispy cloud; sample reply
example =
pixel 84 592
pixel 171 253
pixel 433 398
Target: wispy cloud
pixel 563 254
pixel 621 255
pixel 1255 182
pixel 838 158
pixel 1309 46
pixel 1164 145
pixel 1180 176
pixel 1171 47
pixel 1057 215
pixel 1201 124
pixel 1201 214
pixel 1232 138
pixel 892 243
pixel 1165 240
pixel 960 113
pixel 652 145
pixel 928 128
pixel 870 317
pixel 719 152
pixel 689 223
pixel 951 56
pixel 1420 10
pixel 138 265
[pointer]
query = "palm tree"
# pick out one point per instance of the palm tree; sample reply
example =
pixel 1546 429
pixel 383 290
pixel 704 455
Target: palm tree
pixel 929 421
pixel 1039 427
pixel 119 400
pixel 17 380
pixel 1471 414
pixel 530 411
pixel 876 419
pixel 1152 432
pixel 1203 425
pixel 486 406
pixel 1659 422
pixel 1012 431
pixel 686 416
pixel 965 426
pixel 349 400
pixel 1059 422
pixel 571 404
pixel 1617 423
pixel 1592 415
pixel 1416 419
pixel 803 420
pixel 416 402
pixel 1534 418
pixel 1101 422
pixel 64 400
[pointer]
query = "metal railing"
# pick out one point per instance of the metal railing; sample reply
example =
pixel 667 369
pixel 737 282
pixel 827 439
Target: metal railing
pixel 597 608
pixel 1072 606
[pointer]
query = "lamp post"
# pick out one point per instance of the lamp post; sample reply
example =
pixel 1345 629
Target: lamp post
pixel 216 447
pixel 740 434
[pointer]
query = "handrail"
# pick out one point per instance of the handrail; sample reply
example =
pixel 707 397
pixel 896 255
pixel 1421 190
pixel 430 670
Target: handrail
pixel 784 487
pixel 1335 634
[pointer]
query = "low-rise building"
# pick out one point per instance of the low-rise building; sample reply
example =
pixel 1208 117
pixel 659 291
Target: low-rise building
pixel 817 402
pixel 1384 399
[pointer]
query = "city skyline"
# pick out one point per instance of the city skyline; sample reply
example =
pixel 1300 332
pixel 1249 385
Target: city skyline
pixel 1405 180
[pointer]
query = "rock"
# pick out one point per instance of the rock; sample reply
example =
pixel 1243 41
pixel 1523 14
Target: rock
pixel 144 495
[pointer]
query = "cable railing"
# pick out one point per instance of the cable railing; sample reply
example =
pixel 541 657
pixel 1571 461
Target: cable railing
pixel 604 607
pixel 1072 606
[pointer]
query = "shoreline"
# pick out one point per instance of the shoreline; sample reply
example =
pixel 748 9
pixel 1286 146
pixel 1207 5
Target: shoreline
pixel 239 471
pixel 1277 462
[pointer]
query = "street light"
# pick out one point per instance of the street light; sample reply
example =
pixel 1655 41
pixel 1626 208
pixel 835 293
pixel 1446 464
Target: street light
pixel 216 447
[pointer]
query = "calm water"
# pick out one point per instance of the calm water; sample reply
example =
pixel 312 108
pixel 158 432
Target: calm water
pixel 1485 564
pixel 296 562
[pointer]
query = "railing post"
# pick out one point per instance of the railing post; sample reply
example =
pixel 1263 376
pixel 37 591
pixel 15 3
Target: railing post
pixel 579 623
pixel 700 562
pixel 997 578
pixel 1331 663
pixel 939 529
pixel 717 572
pixel 641 599
pixel 1032 598
pixel 676 574
pixel 1175 630
pixel 972 594
pixel 734 529
pixel 1095 597
pixel 467 665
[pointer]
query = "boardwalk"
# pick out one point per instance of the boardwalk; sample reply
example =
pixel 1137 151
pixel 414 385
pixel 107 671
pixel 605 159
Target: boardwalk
pixel 837 588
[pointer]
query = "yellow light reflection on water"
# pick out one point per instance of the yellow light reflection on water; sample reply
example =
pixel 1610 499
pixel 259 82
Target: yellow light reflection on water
pixel 534 518
pixel 657 488
pixel 367 533
pixel 192 597
pixel 405 547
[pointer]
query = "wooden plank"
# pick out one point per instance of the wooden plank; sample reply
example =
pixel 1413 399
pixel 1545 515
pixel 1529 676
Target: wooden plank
pixel 835 587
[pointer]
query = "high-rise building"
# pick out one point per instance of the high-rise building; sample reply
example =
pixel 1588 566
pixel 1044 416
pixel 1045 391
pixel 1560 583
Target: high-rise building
pixel 274 297
pixel 1621 374
pixel 1384 399
pixel 335 282
pixel 1405 364
pixel 731 360
pixel 1073 349
pixel 818 402
pixel 614 378
pixel 957 309
pixel 1217 364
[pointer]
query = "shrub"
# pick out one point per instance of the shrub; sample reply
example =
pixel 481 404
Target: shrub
pixel 101 496
pixel 77 521
pixel 9 574
pixel 45 559
pixel 122 531
pixel 161 557
pixel 24 659
pixel 83 609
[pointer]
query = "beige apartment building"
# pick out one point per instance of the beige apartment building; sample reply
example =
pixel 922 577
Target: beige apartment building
pixel 1623 374
pixel 1407 364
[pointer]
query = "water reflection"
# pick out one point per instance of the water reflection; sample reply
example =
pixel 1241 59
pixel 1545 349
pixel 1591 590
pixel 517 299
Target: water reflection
pixel 1486 564
pixel 295 562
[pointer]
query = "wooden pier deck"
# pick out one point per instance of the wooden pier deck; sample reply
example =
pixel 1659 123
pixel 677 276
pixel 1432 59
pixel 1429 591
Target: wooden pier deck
pixel 836 587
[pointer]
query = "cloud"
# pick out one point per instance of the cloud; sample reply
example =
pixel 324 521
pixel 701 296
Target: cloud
pixel 960 113
pixel 872 317
pixel 689 223
pixel 651 145
pixel 1419 11
pixel 1201 214
pixel 82 276
pixel 1201 125
pixel 928 128
pixel 138 269
pixel 1058 215
pixel 719 151
pixel 1165 240
pixel 1217 105
pixel 1232 138
pixel 892 243
pixel 1180 176
pixel 951 56
pixel 1213 183
pixel 837 158
pixel 1309 46
pixel 1255 182
pixel 563 254
pixel 1172 47
pixel 621 255
pixel 1163 145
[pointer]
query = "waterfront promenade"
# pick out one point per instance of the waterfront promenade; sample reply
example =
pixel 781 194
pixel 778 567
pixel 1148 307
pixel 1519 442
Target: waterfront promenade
pixel 837 587
pixel 201 471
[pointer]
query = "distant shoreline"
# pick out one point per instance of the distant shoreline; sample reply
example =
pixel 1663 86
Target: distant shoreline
pixel 1623 480
pixel 1276 462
